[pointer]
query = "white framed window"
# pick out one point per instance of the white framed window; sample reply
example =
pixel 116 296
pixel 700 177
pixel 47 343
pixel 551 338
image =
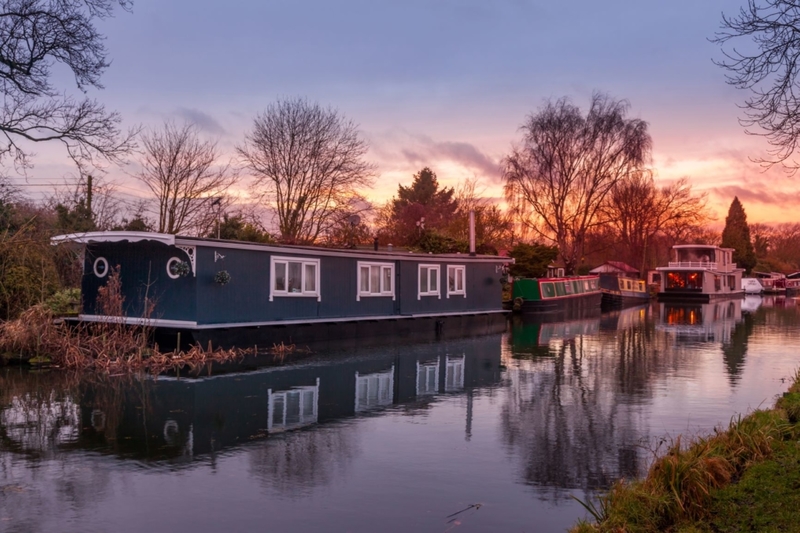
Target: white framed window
pixel 294 276
pixel 428 281
pixel 375 279
pixel 456 280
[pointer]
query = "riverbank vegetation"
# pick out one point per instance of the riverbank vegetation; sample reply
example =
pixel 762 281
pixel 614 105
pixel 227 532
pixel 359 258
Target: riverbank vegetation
pixel 740 478
pixel 111 346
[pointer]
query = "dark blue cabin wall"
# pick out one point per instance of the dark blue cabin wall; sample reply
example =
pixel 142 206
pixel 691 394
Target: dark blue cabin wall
pixel 143 274
pixel 482 284
pixel 246 297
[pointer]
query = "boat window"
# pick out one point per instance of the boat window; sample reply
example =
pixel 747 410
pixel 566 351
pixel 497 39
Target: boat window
pixel 294 276
pixel 375 279
pixel 684 280
pixel 455 280
pixel 628 284
pixel 732 282
pixel 560 291
pixel 100 267
pixel 428 281
pixel 548 291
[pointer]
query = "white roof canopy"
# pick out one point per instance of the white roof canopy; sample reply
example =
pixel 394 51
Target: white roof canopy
pixel 114 236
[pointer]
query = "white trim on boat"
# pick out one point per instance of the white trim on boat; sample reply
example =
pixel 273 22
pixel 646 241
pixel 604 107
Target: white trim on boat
pixel 114 236
pixel 138 321
pixel 158 322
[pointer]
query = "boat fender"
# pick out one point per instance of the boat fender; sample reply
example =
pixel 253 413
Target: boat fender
pixel 518 301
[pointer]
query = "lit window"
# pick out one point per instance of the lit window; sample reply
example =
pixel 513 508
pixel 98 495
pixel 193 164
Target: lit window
pixel 292 276
pixel 375 279
pixel 428 281
pixel 455 280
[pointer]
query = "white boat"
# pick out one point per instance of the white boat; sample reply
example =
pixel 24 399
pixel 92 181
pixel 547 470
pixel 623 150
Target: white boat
pixel 700 272
pixel 751 303
pixel 752 286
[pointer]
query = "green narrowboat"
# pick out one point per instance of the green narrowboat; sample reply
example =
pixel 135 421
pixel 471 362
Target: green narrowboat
pixel 543 295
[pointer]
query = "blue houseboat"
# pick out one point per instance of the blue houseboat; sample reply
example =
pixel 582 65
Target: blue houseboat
pixel 243 294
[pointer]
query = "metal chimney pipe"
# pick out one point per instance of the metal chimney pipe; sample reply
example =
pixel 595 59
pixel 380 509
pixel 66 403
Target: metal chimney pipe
pixel 472 233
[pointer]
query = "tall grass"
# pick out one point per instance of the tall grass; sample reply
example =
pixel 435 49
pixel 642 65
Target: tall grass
pixel 680 483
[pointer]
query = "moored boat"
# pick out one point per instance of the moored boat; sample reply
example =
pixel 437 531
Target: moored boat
pixel 240 293
pixel 773 282
pixel 620 291
pixel 752 286
pixel 793 284
pixel 544 295
pixel 700 272
pixel 620 285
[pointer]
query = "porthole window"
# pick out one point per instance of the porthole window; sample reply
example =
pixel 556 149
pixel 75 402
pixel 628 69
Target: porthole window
pixel 177 268
pixel 100 267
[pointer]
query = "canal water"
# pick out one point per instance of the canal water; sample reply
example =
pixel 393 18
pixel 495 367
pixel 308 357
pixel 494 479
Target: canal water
pixel 493 433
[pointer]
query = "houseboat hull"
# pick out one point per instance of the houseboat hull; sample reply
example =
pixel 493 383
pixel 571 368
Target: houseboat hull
pixel 324 335
pixel 554 295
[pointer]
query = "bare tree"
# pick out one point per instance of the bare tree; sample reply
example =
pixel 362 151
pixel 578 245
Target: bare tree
pixel 181 171
pixel 35 34
pixel 769 71
pixel 638 211
pixel 493 225
pixel 557 179
pixel 307 163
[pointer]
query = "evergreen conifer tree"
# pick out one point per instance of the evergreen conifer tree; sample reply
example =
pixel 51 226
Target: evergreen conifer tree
pixel 736 235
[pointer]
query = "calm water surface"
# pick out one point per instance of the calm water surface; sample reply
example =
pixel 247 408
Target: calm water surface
pixel 506 428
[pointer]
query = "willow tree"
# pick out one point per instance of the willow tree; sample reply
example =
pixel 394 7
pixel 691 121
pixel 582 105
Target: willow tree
pixel 307 164
pixel 558 177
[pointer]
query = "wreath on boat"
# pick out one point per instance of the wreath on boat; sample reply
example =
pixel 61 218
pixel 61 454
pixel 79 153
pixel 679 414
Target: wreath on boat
pixel 222 277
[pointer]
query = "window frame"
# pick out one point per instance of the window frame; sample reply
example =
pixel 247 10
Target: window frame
pixel 457 292
pixel 273 292
pixel 429 292
pixel 381 293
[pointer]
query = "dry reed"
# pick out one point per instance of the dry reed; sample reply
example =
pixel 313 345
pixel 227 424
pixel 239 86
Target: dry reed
pixel 110 346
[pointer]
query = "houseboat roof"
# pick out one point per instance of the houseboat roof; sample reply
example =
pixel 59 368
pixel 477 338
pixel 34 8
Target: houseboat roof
pixel 179 240
pixel 714 246
pixel 616 266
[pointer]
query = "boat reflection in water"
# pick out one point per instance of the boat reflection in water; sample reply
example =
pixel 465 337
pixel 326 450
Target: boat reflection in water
pixel 174 419
pixel 706 322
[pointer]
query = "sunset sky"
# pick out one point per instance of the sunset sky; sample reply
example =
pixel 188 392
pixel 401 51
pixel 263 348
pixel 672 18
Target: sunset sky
pixel 442 83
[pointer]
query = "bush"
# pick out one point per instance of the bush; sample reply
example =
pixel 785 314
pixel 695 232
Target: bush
pixel 64 302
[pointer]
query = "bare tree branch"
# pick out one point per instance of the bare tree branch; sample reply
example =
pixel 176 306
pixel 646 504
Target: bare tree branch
pixel 308 165
pixel 34 35
pixel 182 173
pixel 769 72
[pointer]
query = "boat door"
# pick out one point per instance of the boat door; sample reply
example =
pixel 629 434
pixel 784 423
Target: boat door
pixel 397 289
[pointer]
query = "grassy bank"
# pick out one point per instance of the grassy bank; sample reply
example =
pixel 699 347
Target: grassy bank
pixel 742 478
